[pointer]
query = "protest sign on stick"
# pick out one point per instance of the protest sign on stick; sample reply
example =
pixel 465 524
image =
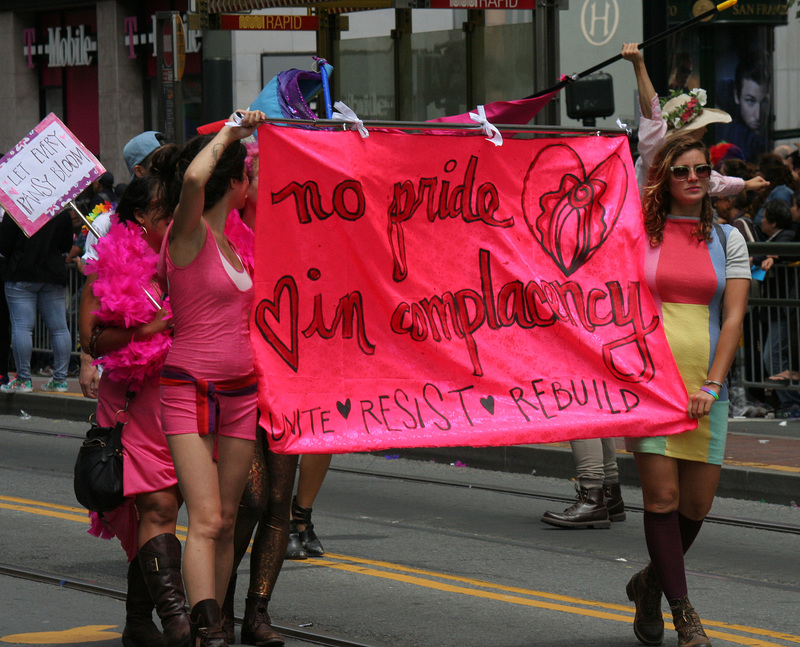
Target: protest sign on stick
pixel 43 173
pixel 437 290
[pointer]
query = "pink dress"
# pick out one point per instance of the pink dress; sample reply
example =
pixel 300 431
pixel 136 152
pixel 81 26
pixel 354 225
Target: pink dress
pixel 211 344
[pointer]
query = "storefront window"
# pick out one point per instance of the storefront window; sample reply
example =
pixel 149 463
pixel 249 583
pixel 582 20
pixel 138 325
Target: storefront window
pixel 366 77
pixel 439 76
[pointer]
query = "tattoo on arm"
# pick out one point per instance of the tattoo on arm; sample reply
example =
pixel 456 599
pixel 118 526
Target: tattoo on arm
pixel 216 153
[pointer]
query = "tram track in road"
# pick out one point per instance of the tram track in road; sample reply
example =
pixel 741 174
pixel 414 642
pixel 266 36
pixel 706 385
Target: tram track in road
pixel 297 633
pixel 753 524
pixel 737 522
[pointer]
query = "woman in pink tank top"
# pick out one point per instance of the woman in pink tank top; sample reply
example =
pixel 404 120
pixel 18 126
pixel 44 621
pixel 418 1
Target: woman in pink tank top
pixel 208 387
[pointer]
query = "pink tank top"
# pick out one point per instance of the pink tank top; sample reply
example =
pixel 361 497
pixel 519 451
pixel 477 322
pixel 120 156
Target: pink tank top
pixel 211 316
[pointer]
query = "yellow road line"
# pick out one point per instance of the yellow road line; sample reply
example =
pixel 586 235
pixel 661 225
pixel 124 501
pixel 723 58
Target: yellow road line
pixel 408 575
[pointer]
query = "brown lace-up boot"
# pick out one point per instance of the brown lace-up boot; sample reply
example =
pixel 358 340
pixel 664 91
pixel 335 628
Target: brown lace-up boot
pixel 644 591
pixel 687 624
pixel 257 626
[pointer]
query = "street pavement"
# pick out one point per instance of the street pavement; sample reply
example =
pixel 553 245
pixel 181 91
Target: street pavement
pixel 762 457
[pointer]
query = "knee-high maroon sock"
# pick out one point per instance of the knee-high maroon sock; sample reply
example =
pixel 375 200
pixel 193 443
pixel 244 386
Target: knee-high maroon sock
pixel 663 536
pixel 689 529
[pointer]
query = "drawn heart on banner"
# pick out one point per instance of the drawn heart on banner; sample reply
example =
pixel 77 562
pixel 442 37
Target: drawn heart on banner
pixel 344 408
pixel 268 314
pixel 488 403
pixel 570 215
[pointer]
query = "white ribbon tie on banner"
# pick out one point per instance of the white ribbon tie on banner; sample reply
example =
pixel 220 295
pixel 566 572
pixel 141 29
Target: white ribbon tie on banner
pixel 343 113
pixel 624 127
pixel 491 132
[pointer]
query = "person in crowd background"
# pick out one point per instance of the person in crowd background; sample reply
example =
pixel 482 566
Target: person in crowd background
pixel 103 191
pixel 210 358
pixel 782 185
pixel 702 300
pixel 122 326
pixel 36 279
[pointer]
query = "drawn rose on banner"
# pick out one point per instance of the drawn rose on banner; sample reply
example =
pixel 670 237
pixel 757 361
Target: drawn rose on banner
pixel 572 220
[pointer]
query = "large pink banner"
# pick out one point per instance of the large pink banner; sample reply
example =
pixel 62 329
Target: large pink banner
pixel 432 290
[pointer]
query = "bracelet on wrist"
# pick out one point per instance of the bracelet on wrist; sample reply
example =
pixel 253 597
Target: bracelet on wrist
pixel 710 392
pixel 714 382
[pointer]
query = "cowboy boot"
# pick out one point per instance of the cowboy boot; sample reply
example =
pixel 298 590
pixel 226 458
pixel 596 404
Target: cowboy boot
pixel 589 511
pixel 140 630
pixel 613 498
pixel 644 591
pixel 228 622
pixel 308 538
pixel 160 559
pixel 206 625
pixel 257 625
pixel 687 624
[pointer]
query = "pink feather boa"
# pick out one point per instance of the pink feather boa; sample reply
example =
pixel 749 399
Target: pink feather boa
pixel 124 266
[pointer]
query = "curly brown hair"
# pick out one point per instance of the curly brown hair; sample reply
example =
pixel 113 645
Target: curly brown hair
pixel 657 201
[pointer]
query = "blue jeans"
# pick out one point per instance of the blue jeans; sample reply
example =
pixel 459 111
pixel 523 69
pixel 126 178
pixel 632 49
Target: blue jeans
pixel 23 299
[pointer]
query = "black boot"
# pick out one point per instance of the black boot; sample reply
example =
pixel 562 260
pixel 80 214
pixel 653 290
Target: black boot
pixel 228 624
pixel 687 624
pixel 294 549
pixel 309 539
pixel 589 511
pixel 206 624
pixel 257 626
pixel 614 502
pixel 160 559
pixel 644 590
pixel 140 630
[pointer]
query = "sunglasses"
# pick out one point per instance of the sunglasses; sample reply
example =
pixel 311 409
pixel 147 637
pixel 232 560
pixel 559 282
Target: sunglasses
pixel 702 171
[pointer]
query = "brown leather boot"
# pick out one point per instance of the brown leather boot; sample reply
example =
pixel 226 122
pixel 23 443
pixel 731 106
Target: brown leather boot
pixel 228 624
pixel 206 625
pixel 687 624
pixel 589 511
pixel 644 591
pixel 160 560
pixel 140 630
pixel 614 502
pixel 257 626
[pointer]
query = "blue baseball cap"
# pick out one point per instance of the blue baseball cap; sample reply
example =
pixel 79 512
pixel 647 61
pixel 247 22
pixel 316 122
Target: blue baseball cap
pixel 138 148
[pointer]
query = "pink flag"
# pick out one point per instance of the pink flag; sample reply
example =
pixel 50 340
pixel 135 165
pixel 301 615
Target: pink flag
pixel 520 111
pixel 416 291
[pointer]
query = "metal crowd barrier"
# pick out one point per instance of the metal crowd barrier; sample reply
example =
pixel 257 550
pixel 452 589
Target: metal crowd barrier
pixel 771 339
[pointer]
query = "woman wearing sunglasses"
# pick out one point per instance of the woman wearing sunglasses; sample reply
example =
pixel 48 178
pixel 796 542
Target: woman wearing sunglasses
pixel 699 275
pixel 678 115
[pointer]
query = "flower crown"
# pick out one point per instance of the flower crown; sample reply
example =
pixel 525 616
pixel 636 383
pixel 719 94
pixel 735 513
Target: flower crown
pixel 688 110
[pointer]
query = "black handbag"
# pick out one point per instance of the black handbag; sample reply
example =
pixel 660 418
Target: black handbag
pixel 98 468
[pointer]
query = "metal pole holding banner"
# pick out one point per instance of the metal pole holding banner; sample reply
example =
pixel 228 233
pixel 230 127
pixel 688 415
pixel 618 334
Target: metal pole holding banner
pixel 707 15
pixel 74 207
